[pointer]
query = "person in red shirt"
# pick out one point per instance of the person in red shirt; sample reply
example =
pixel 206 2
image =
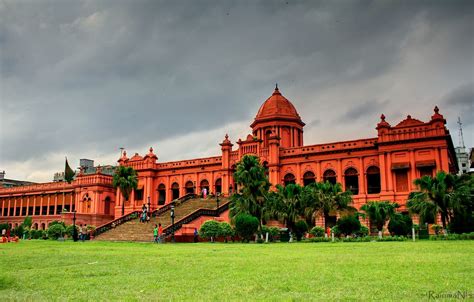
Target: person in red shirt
pixel 328 231
pixel 160 232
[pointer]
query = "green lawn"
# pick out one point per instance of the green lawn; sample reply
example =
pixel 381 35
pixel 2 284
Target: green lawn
pixel 47 270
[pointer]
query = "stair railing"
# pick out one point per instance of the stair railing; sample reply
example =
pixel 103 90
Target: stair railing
pixel 193 216
pixel 175 202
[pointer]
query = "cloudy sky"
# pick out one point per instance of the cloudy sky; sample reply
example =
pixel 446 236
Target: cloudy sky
pixel 84 78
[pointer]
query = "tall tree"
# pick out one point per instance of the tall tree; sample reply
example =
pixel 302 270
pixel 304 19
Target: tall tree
pixel 379 212
pixel 323 198
pixel 253 189
pixel 435 195
pixel 286 204
pixel 126 179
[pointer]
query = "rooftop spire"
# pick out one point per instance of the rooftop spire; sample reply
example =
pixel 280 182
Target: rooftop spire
pixel 461 137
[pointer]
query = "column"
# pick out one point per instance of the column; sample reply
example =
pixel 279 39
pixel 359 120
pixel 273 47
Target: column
pixel 28 205
pixel 41 204
pixel 14 207
pixel 47 209
pixel 319 176
pixel 3 206
pixel 34 205
pixel 389 172
pixel 56 203
pixel 444 159
pixel 96 202
pixel 412 170
pixel 9 206
pixel 64 202
pixel 437 159
pixel 299 181
pixel 383 173
pixel 70 201
pixel 362 175
pixel 339 174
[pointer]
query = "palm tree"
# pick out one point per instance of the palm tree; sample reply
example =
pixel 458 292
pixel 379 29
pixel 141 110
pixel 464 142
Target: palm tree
pixel 435 195
pixel 286 204
pixel 125 178
pixel 254 186
pixel 379 212
pixel 322 198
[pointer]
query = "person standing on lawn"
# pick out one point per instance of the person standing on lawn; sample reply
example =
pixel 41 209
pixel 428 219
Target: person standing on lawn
pixel 160 233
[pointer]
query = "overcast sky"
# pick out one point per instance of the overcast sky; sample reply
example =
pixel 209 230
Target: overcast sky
pixel 84 78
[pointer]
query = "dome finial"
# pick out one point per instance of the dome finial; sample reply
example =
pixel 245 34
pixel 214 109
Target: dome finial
pixel 276 86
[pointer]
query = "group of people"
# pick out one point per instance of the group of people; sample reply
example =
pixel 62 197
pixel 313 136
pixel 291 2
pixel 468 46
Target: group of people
pixel 82 232
pixel 144 217
pixel 6 236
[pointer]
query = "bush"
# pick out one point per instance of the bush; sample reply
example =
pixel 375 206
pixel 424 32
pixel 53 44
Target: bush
pixel 317 231
pixel 36 234
pixel 319 239
pixel 56 231
pixel 392 238
pixel 4 226
pixel 210 229
pixel 301 227
pixel 70 229
pixel 436 228
pixel 335 231
pixel 400 225
pixel 246 225
pixel 273 232
pixel 348 225
pixel 18 231
pixel 363 232
pixel 225 230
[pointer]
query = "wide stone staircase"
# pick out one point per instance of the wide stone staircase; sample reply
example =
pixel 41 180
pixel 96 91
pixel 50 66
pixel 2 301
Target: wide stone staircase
pixel 134 230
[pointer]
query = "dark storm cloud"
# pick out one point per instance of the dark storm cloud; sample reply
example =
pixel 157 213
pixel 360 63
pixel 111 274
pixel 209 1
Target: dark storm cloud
pixel 461 100
pixel 95 75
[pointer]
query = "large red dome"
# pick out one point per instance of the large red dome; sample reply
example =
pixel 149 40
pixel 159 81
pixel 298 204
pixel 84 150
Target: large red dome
pixel 277 106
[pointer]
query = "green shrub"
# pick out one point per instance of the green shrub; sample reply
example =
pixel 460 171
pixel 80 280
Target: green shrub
pixel 348 225
pixel 18 231
pixel 400 225
pixel 56 230
pixel 225 230
pixel 319 239
pixel 301 227
pixel 246 225
pixel 357 239
pixel 273 232
pixel 335 231
pixel 70 229
pixel 3 226
pixel 210 229
pixel 392 238
pixel 28 222
pixel 36 234
pixel 363 232
pixel 317 231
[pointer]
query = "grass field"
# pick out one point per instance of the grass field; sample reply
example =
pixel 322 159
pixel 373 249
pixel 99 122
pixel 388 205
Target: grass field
pixel 407 271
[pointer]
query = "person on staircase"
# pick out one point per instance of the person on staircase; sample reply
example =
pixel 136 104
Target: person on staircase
pixel 160 233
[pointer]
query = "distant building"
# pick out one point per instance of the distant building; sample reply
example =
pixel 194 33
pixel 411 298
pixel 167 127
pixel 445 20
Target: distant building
pixel 471 159
pixel 463 160
pixel 9 183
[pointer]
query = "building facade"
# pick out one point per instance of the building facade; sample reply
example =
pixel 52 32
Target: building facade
pixel 382 167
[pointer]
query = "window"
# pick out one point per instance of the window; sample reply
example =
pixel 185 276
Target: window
pixel 401 178
pixel 139 194
pixel 175 190
pixel 373 180
pixel 308 178
pixel 330 175
pixel 161 194
pixel 426 171
pixel 189 187
pixel 218 186
pixel 351 179
pixel 289 179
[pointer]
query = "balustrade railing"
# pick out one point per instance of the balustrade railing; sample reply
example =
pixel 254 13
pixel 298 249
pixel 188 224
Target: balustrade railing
pixel 193 216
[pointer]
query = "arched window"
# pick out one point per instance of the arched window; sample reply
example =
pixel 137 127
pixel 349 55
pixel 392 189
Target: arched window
pixel 329 175
pixel 351 179
pixel 218 186
pixel 175 190
pixel 308 178
pixel 161 194
pixel 205 185
pixel 189 187
pixel 107 205
pixel 289 179
pixel 373 180
pixel 35 226
pixel 43 226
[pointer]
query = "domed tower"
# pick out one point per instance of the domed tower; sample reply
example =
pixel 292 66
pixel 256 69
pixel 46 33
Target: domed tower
pixel 279 115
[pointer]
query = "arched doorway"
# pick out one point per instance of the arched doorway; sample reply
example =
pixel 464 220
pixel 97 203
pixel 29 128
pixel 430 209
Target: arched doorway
pixel 161 194
pixel 35 226
pixel 330 175
pixel 189 187
pixel 107 205
pixel 309 178
pixel 43 226
pixel 351 180
pixel 373 180
pixel 204 185
pixel 175 190
pixel 218 186
pixel 289 179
